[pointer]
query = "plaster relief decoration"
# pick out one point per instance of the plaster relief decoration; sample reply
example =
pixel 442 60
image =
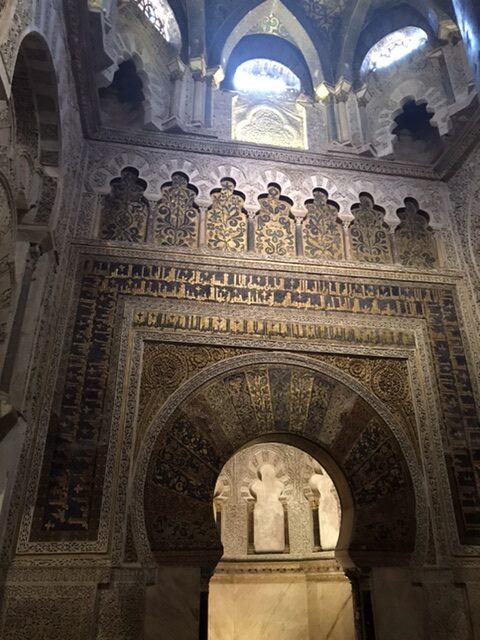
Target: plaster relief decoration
pixel 226 219
pixel 324 13
pixel 414 239
pixel 275 234
pixel 369 234
pixel 272 25
pixel 268 512
pixel 269 121
pixel 322 230
pixel 177 214
pixel 126 210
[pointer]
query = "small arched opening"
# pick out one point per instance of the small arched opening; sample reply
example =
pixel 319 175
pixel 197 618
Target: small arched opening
pixel 278 514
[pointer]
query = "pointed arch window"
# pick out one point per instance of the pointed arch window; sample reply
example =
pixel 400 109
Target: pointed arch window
pixel 266 77
pixel 394 47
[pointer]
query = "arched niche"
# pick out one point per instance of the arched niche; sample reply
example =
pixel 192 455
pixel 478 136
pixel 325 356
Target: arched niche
pixel 276 398
pixel 33 143
pixel 269 47
pixel 294 34
pixel 35 72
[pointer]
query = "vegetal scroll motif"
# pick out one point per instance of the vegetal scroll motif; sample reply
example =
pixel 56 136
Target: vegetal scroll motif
pixel 369 234
pixel 322 230
pixel 275 233
pixel 178 214
pixel 414 240
pixel 226 219
pixel 125 209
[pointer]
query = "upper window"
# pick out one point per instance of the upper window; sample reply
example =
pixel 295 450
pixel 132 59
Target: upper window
pixel 163 19
pixel 266 77
pixel 394 47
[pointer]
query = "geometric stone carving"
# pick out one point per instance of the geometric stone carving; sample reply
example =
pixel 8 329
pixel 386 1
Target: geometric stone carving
pixel 177 214
pixel 369 235
pixel 125 209
pixel 322 231
pixel 275 234
pixel 226 219
pixel 414 239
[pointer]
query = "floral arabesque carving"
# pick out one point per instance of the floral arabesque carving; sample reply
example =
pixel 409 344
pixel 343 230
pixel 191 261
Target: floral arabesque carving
pixel 414 241
pixel 369 234
pixel 322 231
pixel 126 210
pixel 178 214
pixel 226 219
pixel 275 233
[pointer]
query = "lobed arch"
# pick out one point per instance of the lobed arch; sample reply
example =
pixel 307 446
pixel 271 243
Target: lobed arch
pixel 409 91
pixel 239 26
pixel 152 73
pixel 187 412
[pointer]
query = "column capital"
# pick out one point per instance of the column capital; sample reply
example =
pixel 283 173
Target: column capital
pixel 342 90
pixel 215 75
pixel 176 68
pixel 198 67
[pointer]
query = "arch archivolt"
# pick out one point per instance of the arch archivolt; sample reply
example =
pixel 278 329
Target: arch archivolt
pixel 233 366
pixel 411 345
pixel 297 34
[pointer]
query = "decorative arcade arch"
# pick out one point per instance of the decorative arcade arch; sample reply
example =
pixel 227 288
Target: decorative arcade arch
pixel 277 398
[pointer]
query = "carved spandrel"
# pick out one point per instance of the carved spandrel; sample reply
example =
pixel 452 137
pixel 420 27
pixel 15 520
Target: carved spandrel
pixel 226 219
pixel 369 235
pixel 275 233
pixel 414 239
pixel 322 230
pixel 177 214
pixel 125 209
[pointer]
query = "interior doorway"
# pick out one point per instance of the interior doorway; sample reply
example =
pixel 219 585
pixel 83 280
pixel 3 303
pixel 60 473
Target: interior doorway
pixel 278 515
